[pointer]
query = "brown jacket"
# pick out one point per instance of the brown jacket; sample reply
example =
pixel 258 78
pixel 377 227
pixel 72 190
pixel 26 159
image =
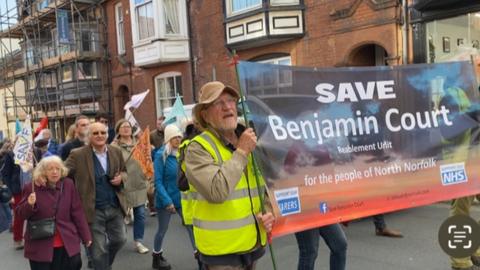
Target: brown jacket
pixel 80 164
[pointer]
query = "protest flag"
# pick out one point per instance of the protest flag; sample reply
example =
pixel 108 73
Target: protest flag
pixel 43 125
pixel 22 151
pixel 142 153
pixel 136 100
pixel 133 122
pixel 18 126
pixel 177 112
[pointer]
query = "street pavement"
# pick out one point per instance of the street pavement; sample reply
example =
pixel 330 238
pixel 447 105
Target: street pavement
pixel 418 250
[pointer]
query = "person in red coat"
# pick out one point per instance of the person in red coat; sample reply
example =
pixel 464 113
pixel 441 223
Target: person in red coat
pixel 62 251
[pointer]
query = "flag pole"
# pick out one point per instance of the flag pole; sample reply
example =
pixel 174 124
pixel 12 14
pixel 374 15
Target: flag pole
pixel 255 166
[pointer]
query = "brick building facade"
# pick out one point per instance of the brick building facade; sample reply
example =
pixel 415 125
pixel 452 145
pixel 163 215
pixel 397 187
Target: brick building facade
pixel 295 32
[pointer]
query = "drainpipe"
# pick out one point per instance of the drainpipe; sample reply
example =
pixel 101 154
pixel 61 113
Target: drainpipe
pixel 405 32
pixel 193 59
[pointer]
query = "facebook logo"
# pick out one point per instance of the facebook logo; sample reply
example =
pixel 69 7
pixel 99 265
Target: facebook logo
pixel 323 207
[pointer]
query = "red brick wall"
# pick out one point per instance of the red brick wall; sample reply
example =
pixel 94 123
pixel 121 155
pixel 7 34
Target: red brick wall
pixel 138 79
pixel 327 42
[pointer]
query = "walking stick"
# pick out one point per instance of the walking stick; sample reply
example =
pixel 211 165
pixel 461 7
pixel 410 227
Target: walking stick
pixel 255 167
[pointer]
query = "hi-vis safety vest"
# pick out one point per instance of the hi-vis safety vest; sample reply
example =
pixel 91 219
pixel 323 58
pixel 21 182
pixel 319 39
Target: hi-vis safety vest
pixel 186 201
pixel 229 227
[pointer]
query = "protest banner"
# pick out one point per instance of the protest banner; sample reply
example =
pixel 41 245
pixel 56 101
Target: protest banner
pixel 343 143
pixel 23 154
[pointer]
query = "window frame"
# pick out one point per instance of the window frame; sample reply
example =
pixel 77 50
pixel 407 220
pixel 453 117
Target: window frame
pixel 231 12
pixel 158 98
pixel 120 28
pixel 136 21
pixel 276 86
pixel 70 78
pixel 284 2
pixel 81 68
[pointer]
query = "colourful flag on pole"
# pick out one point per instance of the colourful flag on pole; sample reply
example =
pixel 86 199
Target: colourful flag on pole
pixel 142 153
pixel 136 100
pixel 133 122
pixel 23 147
pixel 43 125
pixel 176 113
pixel 18 126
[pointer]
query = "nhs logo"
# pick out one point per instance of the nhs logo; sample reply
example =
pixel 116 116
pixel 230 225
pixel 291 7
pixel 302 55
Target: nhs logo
pixel 453 173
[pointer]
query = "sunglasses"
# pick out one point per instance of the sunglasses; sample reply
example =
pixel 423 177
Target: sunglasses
pixel 96 133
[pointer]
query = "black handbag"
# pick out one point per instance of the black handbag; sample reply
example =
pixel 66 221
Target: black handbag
pixel 5 194
pixel 43 228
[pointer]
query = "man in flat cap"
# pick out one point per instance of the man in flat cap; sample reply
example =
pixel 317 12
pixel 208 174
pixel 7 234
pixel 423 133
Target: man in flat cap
pixel 229 228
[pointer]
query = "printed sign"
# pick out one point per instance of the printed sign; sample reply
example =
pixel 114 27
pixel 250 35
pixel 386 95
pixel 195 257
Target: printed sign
pixel 353 142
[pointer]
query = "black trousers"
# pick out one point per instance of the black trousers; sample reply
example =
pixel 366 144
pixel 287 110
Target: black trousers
pixel 60 261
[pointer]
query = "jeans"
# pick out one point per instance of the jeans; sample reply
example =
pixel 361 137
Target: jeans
pixel 379 222
pixel 8 213
pixel 138 223
pixel 108 233
pixel 335 239
pixel 163 217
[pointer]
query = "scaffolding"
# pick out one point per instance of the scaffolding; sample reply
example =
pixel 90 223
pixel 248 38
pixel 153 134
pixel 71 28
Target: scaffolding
pixel 62 61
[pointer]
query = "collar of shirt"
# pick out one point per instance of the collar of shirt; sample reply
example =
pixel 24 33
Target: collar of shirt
pixel 98 153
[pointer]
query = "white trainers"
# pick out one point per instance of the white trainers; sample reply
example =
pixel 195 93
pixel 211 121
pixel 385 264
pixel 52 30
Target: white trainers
pixel 140 248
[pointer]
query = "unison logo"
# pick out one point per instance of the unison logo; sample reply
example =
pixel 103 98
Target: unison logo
pixel 453 173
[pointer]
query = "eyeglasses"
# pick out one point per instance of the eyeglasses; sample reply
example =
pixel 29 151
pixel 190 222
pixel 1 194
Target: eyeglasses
pixel 96 133
pixel 125 127
pixel 231 101
pixel 104 121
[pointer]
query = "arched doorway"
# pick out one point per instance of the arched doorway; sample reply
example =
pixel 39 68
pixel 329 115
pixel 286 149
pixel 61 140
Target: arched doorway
pixel 367 55
pixel 121 98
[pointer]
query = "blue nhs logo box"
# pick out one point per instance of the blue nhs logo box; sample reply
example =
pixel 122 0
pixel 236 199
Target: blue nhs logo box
pixel 288 201
pixel 453 173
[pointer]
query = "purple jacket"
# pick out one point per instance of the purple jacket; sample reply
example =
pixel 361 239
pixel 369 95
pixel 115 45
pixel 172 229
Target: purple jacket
pixel 70 219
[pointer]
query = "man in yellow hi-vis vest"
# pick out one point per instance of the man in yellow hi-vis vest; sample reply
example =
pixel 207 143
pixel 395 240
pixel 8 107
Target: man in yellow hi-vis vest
pixel 456 143
pixel 228 226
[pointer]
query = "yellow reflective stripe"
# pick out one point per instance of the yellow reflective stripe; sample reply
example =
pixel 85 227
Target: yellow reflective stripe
pixel 223 224
pixel 236 194
pixel 207 138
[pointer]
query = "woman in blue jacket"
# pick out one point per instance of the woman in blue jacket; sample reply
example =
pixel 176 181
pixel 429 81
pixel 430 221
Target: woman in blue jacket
pixel 167 194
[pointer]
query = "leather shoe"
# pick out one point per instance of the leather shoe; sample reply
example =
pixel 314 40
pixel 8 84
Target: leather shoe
pixel 388 233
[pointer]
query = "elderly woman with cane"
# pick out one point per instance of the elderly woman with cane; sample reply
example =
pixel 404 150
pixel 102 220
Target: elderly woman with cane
pixel 56 222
